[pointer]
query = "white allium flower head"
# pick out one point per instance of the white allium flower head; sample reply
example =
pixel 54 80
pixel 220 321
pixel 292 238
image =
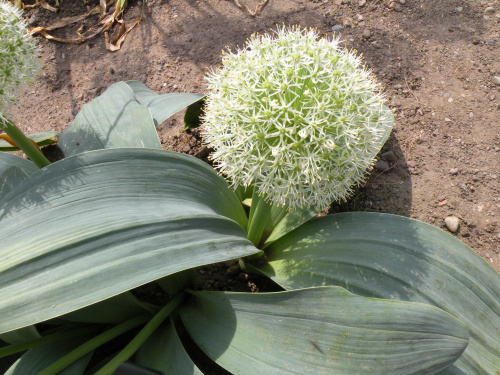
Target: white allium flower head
pixel 19 56
pixel 295 116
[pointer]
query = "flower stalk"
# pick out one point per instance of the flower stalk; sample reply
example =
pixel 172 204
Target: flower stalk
pixel 259 217
pixel 94 343
pixel 142 336
pixel 24 143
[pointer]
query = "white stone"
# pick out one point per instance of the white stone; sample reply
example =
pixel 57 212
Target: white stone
pixel 452 223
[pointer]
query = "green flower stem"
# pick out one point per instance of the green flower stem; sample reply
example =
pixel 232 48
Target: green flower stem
pixel 50 339
pixel 260 212
pixel 94 343
pixel 25 144
pixel 141 337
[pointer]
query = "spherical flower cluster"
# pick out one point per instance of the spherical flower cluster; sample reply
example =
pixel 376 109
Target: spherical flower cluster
pixel 19 62
pixel 295 116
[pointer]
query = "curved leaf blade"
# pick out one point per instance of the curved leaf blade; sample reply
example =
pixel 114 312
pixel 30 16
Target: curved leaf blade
pixel 13 171
pixel 18 336
pixel 283 221
pixel 194 114
pixel 324 330
pixel 394 257
pixel 116 309
pixel 163 351
pixel 114 119
pixel 95 225
pixel 8 161
pixel 162 106
pixel 37 359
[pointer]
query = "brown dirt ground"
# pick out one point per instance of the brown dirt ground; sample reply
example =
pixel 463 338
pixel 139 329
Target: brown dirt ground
pixel 435 58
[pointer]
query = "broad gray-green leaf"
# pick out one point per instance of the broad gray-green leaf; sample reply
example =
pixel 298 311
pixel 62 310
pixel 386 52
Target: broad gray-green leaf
pixel 8 160
pixel 173 284
pixel 13 171
pixel 112 310
pixel 97 224
pixel 41 139
pixel 10 179
pixel 37 359
pixel 194 114
pixel 21 335
pixel 398 258
pixel 7 362
pixel 162 106
pixel 324 330
pixel 163 351
pixel 114 119
pixel 283 221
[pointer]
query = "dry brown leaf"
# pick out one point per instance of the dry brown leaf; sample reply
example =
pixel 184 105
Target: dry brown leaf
pixel 9 140
pixel 103 26
pixel 116 42
pixel 45 5
pixel 258 8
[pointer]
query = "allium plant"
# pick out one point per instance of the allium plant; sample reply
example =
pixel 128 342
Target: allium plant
pixel 297 117
pixel 362 292
pixel 19 61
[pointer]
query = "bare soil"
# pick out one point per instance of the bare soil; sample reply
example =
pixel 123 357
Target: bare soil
pixel 435 58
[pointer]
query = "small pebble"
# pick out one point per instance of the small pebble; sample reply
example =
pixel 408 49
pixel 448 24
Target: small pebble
pixel 454 171
pixel 471 114
pixel 389 156
pixel 442 203
pixel 174 87
pixel 496 80
pixel 458 10
pixel 362 3
pixel 489 10
pixel 402 2
pixel 337 28
pixel 381 166
pixel 367 34
pixel 452 223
